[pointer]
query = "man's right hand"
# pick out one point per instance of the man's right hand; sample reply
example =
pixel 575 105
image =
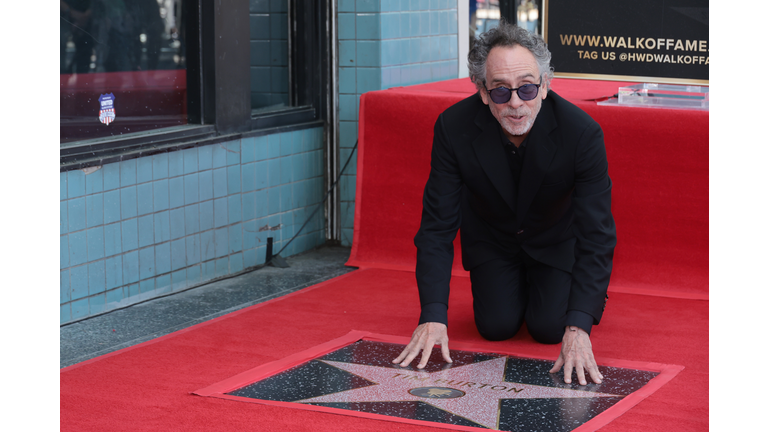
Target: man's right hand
pixel 424 338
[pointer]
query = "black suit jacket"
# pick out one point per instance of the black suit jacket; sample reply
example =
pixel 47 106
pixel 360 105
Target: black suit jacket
pixel 560 214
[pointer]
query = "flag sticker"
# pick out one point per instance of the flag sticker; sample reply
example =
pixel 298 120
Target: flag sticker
pixel 107 109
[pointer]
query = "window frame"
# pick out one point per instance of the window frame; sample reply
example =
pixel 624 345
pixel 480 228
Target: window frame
pixel 218 86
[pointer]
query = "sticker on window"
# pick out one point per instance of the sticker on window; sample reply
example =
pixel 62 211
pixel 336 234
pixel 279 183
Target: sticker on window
pixel 107 111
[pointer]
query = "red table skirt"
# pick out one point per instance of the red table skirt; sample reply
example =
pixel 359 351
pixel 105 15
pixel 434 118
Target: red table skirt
pixel 658 161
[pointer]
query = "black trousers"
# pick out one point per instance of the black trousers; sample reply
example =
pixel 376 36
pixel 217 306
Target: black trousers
pixel 508 291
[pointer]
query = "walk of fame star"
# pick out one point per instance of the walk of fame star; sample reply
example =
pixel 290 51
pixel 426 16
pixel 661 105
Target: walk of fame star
pixel 482 385
pixel 508 392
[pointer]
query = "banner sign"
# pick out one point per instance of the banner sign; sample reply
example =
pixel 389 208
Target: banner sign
pixel 651 41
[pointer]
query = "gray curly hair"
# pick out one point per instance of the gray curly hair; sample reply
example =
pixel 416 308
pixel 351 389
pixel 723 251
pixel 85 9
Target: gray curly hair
pixel 508 35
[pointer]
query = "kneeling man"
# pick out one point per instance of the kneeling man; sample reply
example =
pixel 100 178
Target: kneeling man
pixel 523 173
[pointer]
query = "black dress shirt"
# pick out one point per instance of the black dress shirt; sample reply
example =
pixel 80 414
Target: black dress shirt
pixel 515 157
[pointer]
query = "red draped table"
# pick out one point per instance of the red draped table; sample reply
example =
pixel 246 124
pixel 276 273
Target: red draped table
pixel 658 162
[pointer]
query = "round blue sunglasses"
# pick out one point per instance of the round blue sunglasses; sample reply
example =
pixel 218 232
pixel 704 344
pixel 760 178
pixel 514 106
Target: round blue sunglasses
pixel 525 92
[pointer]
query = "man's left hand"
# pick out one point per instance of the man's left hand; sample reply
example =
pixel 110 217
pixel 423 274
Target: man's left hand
pixel 576 353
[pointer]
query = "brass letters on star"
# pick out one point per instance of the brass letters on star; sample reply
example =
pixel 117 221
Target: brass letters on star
pixel 459 384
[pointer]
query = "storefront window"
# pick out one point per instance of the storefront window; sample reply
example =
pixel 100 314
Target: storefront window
pixel 269 55
pixel 528 15
pixel 122 67
pixel 485 14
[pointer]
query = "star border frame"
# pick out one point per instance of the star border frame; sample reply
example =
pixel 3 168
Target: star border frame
pixel 666 372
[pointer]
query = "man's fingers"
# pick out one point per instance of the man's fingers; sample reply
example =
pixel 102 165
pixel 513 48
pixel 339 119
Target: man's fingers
pixel 425 353
pixel 591 368
pixel 580 373
pixel 424 338
pixel 568 371
pixel 597 377
pixel 558 364
pixel 411 350
pixel 411 355
pixel 405 352
pixel 408 359
pixel 446 352
pixel 402 355
pixel 576 352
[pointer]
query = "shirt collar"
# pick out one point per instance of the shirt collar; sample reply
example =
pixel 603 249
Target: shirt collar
pixel 506 141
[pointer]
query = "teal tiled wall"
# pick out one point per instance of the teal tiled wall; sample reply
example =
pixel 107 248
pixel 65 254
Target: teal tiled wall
pixel 141 228
pixel 383 44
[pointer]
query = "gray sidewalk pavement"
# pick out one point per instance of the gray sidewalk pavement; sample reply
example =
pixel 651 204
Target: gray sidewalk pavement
pixel 139 323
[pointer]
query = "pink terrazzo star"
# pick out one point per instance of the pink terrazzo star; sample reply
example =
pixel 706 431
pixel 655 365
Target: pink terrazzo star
pixel 480 388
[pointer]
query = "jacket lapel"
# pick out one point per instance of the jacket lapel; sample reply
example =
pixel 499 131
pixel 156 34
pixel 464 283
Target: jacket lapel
pixel 539 153
pixel 490 154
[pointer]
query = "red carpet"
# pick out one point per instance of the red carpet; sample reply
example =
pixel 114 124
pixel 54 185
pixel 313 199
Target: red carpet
pixel 659 168
pixel 148 387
